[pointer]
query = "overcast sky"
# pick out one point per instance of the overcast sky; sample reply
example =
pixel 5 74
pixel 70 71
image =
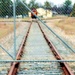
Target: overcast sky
pixel 56 2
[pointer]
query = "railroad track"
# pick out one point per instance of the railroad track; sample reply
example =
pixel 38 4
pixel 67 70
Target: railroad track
pixel 20 34
pixel 37 49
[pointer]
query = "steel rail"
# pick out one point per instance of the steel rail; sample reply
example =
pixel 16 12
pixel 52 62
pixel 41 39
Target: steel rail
pixel 49 28
pixel 66 69
pixel 15 65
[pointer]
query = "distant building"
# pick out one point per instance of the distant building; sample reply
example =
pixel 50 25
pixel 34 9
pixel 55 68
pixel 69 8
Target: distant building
pixel 43 13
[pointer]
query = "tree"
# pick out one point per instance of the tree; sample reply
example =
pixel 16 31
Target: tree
pixel 24 1
pixel 5 8
pixel 33 4
pixel 20 8
pixel 54 8
pixel 47 5
pixel 73 11
pixel 67 6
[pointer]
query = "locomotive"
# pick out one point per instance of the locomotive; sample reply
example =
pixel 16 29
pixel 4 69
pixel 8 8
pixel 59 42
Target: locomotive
pixel 32 15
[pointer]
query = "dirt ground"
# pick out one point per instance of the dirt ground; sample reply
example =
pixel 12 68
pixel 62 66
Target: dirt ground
pixel 6 28
pixel 64 27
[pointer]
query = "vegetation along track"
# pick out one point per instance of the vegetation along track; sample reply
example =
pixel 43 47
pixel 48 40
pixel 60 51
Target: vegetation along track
pixel 36 50
pixel 20 34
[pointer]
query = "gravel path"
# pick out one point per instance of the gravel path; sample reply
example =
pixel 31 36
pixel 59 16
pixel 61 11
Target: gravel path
pixel 70 38
pixel 36 49
pixel 63 50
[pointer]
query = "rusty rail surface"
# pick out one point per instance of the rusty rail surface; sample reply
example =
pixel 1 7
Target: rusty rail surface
pixel 15 65
pixel 66 69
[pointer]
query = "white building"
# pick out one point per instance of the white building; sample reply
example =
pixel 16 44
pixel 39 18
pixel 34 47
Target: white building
pixel 43 13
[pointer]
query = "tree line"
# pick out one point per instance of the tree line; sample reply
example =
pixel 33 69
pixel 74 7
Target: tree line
pixel 6 7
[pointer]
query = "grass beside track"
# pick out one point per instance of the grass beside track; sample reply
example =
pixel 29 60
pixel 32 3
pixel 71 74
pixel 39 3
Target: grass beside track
pixel 5 29
pixel 68 25
pixel 6 25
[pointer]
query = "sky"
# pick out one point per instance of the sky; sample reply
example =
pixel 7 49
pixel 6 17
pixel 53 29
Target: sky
pixel 56 2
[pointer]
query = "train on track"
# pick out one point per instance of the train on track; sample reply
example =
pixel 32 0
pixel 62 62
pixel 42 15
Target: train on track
pixel 35 12
pixel 39 53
